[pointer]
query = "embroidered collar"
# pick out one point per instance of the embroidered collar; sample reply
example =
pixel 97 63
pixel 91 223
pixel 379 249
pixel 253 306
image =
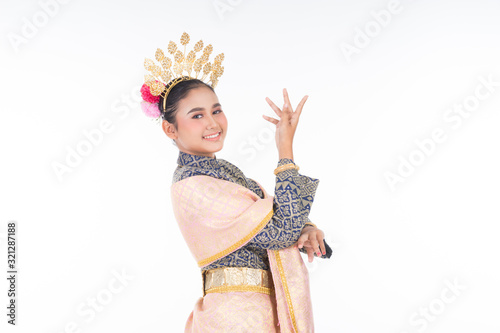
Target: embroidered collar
pixel 215 167
pixel 200 161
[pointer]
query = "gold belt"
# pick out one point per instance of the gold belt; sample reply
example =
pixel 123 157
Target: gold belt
pixel 228 279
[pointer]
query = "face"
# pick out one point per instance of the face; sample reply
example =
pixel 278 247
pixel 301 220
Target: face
pixel 199 115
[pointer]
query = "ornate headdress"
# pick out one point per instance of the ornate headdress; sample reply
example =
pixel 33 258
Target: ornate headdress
pixel 167 75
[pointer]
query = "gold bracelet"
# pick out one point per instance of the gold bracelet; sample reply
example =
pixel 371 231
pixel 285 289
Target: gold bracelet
pixel 312 224
pixel 286 167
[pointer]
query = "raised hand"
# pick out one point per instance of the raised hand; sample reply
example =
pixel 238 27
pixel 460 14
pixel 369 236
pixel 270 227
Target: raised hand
pixel 286 126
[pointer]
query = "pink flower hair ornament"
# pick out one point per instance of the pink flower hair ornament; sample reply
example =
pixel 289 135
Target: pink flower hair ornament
pixel 150 105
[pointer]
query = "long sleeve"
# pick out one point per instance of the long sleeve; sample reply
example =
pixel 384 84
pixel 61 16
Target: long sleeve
pixel 293 197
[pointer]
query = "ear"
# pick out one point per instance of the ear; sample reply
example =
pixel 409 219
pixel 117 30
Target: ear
pixel 169 129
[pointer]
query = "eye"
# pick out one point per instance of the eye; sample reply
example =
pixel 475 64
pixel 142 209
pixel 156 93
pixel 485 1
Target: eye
pixel 218 111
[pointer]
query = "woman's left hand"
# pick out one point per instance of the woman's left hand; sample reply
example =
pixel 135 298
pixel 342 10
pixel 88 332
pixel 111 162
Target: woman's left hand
pixel 311 239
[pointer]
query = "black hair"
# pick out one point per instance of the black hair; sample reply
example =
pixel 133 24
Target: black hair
pixel 178 92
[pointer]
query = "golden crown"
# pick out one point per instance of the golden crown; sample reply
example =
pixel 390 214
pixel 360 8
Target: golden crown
pixel 161 75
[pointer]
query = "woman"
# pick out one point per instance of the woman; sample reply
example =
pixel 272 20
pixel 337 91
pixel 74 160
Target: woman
pixel 245 241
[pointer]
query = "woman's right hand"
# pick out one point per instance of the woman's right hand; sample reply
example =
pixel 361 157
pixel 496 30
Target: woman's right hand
pixel 286 126
pixel 312 239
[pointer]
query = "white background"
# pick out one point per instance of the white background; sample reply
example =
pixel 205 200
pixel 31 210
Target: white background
pixel 397 249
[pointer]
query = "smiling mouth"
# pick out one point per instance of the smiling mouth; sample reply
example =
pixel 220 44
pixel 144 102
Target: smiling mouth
pixel 212 136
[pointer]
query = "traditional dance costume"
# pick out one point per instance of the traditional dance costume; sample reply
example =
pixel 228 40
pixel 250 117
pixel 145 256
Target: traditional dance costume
pixel 253 278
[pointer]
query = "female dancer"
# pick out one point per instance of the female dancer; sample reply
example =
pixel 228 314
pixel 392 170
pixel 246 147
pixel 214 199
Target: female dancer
pixel 245 241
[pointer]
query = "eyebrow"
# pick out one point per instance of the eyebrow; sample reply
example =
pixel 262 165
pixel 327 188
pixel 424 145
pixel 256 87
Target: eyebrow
pixel 203 109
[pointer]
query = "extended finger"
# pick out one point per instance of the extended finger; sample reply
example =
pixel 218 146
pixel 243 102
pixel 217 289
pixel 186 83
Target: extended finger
pixel 315 246
pixel 287 101
pixel 307 244
pixel 302 239
pixel 301 104
pixel 274 107
pixel 270 119
pixel 310 254
pixel 322 245
pixel 300 242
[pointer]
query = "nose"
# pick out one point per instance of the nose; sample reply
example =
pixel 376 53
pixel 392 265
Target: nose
pixel 211 122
